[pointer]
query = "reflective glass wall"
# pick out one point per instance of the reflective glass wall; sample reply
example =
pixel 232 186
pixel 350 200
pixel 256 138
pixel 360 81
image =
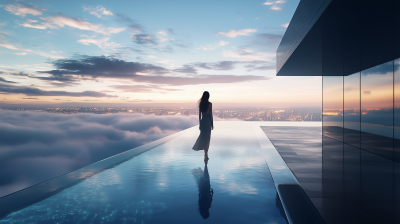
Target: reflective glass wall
pixel 360 65
pixel 332 106
pixel 396 132
pixel 363 109
pixel 361 142
pixel 377 110
pixel 351 108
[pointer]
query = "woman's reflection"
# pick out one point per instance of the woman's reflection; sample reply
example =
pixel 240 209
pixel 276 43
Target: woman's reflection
pixel 205 191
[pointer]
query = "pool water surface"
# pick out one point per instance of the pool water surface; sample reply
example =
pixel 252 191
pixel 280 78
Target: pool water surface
pixel 172 184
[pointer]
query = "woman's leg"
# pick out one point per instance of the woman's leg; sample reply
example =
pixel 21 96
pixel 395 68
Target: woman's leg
pixel 206 152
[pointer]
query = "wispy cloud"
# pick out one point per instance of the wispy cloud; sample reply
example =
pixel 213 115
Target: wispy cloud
pixel 163 34
pixel 21 9
pixel 247 55
pixel 132 23
pixel 21 53
pixel 212 46
pixel 142 88
pixel 285 25
pixel 186 69
pixel 217 66
pixel 8 46
pixel 30 91
pixel 146 39
pixel 98 11
pixel 263 42
pixel 274 7
pixel 166 32
pixel 29 51
pixel 102 43
pixel 207 47
pixel 235 33
pixel 3 80
pixel 228 65
pixel 274 4
pixel 222 43
pixel 221 65
pixel 14 73
pixel 259 65
pixel 268 3
pixel 198 79
pixel 60 20
pixel 163 39
pixel 33 24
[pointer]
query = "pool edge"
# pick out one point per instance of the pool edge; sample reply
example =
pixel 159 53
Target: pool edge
pixel 296 204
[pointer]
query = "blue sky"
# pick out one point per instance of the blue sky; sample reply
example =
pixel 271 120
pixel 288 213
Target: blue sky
pixel 147 52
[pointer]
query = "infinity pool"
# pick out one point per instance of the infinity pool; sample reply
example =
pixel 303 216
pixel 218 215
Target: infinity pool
pixel 170 183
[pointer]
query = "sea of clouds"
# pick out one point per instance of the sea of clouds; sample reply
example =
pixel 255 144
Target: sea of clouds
pixel 37 146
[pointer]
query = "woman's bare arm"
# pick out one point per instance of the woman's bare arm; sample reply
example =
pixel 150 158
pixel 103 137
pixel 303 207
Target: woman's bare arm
pixel 212 120
pixel 199 115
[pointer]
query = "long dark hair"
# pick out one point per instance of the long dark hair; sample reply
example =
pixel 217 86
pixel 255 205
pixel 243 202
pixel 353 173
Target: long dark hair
pixel 203 102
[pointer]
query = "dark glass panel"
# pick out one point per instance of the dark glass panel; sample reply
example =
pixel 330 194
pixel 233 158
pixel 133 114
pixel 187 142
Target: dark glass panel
pixel 351 40
pixel 352 172
pixel 332 107
pixel 397 136
pixel 332 40
pixel 377 188
pixel 352 184
pixel 376 32
pixel 332 168
pixel 396 125
pixel 332 180
pixel 397 191
pixel 396 29
pixel 351 110
pixel 377 110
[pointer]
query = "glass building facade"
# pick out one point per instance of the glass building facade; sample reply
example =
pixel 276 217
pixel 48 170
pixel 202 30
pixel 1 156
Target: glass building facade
pixel 361 140
pixel 360 109
pixel 355 47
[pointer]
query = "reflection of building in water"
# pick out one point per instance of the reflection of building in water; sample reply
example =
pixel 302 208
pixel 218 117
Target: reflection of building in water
pixel 355 47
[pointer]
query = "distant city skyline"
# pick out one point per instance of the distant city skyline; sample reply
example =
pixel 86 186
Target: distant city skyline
pixel 147 53
pixel 241 113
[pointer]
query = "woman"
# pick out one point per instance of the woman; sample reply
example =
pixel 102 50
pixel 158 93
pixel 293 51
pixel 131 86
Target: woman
pixel 206 124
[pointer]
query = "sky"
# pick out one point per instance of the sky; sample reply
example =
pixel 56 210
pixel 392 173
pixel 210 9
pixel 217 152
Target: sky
pixel 147 52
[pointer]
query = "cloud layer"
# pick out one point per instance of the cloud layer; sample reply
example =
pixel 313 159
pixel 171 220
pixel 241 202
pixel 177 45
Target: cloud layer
pixel 68 70
pixel 36 146
pixel 30 91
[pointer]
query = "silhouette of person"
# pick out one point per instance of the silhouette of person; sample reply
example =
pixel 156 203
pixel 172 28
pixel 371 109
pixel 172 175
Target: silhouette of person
pixel 206 193
pixel 206 125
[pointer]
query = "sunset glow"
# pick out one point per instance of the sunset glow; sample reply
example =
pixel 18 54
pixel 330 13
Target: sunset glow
pixel 135 53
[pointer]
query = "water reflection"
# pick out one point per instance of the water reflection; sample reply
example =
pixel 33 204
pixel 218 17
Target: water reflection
pixel 206 193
